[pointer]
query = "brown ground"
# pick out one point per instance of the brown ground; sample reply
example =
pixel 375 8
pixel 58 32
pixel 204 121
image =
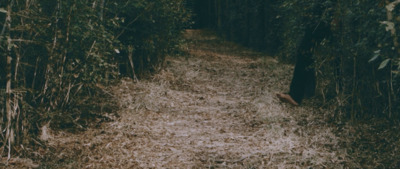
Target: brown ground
pixel 215 108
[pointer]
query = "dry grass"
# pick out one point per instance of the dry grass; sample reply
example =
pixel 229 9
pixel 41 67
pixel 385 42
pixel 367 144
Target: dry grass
pixel 214 109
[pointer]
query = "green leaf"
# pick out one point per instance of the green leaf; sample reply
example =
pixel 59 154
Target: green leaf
pixel 376 55
pixel 384 64
pixel 2 10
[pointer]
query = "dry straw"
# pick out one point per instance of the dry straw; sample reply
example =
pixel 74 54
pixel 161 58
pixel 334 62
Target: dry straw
pixel 216 108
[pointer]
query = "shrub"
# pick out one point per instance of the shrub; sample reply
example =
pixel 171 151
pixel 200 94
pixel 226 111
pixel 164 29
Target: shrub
pixel 57 55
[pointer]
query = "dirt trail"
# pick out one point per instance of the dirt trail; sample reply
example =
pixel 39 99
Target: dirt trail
pixel 216 108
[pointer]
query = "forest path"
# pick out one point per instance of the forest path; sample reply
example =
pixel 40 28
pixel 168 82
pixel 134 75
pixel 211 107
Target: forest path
pixel 216 108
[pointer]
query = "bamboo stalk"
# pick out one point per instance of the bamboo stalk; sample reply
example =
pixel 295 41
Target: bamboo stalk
pixel 353 103
pixel 101 13
pixel 54 45
pixel 66 45
pixel 9 111
pixel 35 72
pixel 130 55
pixel 390 6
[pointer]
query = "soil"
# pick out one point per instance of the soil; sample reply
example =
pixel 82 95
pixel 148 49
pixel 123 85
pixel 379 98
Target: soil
pixel 215 107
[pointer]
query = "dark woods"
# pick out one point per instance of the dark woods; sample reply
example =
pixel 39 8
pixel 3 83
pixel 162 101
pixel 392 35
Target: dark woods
pixel 56 56
pixel 252 23
pixel 357 62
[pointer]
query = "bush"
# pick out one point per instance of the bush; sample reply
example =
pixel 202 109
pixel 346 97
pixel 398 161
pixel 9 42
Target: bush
pixel 62 53
pixel 148 31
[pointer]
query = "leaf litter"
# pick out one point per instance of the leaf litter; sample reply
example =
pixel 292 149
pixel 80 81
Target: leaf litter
pixel 214 108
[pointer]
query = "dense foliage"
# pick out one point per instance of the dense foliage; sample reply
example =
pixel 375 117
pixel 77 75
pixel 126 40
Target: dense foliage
pixel 57 55
pixel 357 64
pixel 251 22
